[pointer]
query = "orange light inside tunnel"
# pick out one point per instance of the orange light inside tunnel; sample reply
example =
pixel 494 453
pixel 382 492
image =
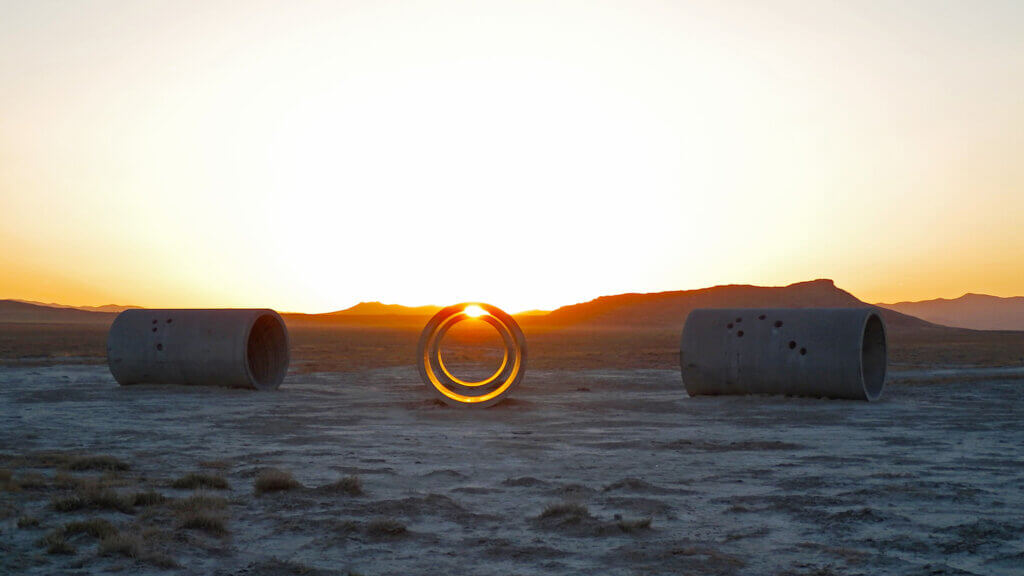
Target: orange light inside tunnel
pixel 474 311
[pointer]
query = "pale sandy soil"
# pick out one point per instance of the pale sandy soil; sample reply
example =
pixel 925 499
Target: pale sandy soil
pixel 930 480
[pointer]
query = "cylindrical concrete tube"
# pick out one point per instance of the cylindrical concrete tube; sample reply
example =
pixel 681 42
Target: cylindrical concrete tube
pixel 234 348
pixel 819 352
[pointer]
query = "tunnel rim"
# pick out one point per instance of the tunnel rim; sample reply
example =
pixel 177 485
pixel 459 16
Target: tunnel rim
pixel 874 352
pixel 276 376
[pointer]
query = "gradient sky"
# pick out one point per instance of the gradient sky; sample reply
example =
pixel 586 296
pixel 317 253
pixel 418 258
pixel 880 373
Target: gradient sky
pixel 306 156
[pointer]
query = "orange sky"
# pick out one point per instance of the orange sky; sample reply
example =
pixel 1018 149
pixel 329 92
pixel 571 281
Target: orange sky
pixel 528 154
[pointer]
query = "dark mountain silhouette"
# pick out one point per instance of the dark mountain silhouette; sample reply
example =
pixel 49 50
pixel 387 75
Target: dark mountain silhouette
pixel 380 309
pixel 669 309
pixel 975 311
pixel 659 311
pixel 23 312
pixel 103 308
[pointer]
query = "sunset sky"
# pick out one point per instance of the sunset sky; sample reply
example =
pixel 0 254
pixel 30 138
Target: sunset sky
pixel 307 156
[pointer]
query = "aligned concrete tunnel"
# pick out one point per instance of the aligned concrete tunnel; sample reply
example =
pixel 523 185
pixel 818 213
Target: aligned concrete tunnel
pixel 236 348
pixel 817 352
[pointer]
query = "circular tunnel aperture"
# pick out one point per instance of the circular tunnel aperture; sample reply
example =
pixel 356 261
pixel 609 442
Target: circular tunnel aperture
pixel 873 356
pixel 266 351
pixel 455 391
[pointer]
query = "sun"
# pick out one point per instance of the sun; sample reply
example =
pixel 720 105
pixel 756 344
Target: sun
pixel 474 311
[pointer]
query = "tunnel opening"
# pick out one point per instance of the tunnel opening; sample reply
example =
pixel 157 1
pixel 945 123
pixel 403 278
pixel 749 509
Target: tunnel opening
pixel 472 350
pixel 873 357
pixel 267 351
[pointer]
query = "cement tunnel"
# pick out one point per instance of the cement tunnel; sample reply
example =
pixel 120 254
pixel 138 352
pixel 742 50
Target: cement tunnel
pixel 818 352
pixel 237 348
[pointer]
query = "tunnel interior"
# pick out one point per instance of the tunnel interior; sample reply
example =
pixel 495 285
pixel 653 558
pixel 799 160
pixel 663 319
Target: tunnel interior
pixel 267 351
pixel 873 356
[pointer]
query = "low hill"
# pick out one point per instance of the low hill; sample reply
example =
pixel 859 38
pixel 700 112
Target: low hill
pixel 975 311
pixel 103 308
pixel 380 309
pixel 669 309
pixel 23 312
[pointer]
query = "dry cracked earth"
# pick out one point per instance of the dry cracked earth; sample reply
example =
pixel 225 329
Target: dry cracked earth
pixel 581 472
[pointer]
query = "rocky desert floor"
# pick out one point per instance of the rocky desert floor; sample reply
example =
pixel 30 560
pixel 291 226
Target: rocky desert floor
pixel 584 471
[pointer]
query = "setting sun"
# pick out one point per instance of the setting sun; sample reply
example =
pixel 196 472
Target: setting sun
pixel 474 311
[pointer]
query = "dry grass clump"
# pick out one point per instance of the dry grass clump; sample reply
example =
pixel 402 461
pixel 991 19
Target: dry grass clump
pixel 194 480
pixel 7 483
pixel 95 527
pixel 148 498
pixel 128 545
pixel 565 512
pixel 93 498
pixel 275 480
pixel 350 485
pixel 97 462
pixel 55 543
pixel 28 522
pixel 206 521
pixel 634 525
pixel 202 512
pixel 385 528
pixel 135 545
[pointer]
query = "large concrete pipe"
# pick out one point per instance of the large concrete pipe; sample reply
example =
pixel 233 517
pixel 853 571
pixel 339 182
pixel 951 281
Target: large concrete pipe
pixel 819 352
pixel 234 348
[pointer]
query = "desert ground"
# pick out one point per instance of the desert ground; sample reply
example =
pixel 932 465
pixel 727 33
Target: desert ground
pixel 598 463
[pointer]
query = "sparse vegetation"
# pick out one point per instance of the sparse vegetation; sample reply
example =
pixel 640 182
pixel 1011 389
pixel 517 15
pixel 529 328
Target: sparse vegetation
pixel 55 543
pixel 350 485
pixel 148 498
pixel 94 498
pixel 196 480
pixel 275 480
pixel 25 522
pixel 95 527
pixel 385 528
pixel 121 545
pixel 206 521
pixel 634 525
pixel 97 462
pixel 565 512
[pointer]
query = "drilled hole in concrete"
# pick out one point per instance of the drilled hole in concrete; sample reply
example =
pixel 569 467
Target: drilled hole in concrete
pixel 169 320
pixel 778 323
pixel 761 317
pixel 154 328
pixel 792 344
pixel 159 346
pixel 740 333
pixel 738 320
pixel 729 325
pixel 154 320
pixel 803 351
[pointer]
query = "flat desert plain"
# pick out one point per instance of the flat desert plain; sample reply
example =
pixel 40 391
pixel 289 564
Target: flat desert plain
pixel 599 463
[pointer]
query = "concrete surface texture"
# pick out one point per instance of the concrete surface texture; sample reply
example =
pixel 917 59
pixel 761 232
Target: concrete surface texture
pixel 817 352
pixel 234 348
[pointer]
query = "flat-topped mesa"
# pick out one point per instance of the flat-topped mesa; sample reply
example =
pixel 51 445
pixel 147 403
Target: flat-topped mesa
pixel 818 352
pixel 237 348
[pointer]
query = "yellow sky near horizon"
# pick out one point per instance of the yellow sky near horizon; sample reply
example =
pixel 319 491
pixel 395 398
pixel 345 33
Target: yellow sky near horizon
pixel 307 156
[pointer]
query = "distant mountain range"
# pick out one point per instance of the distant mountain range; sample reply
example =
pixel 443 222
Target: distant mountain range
pixel 104 308
pixel 659 310
pixel 379 309
pixel 669 309
pixel 975 311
